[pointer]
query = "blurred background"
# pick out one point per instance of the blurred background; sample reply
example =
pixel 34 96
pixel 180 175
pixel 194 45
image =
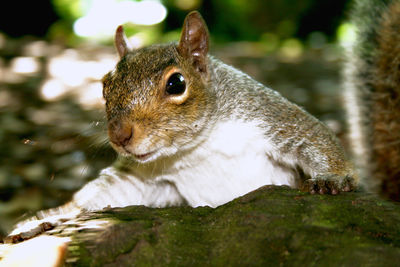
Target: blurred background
pixel 53 54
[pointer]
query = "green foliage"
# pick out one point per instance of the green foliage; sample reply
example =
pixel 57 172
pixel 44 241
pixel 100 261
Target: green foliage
pixel 71 10
pixel 229 20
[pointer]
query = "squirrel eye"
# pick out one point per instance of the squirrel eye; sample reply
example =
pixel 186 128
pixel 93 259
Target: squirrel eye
pixel 176 84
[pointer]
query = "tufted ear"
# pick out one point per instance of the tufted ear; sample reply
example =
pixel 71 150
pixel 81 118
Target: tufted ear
pixel 193 44
pixel 121 42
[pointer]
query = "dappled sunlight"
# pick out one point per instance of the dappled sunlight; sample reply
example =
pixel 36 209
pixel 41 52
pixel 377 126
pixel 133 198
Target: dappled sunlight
pixel 346 34
pixel 70 74
pixel 51 123
pixel 41 251
pixel 25 65
pixel 104 16
pixel 291 49
pixel 53 89
pixel 67 74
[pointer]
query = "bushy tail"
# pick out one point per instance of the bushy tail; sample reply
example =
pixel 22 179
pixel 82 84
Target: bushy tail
pixel 372 95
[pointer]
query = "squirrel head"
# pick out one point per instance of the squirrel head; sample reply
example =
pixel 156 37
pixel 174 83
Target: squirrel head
pixel 158 100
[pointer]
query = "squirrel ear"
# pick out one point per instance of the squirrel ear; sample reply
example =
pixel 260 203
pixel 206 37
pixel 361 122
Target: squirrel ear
pixel 121 42
pixel 194 41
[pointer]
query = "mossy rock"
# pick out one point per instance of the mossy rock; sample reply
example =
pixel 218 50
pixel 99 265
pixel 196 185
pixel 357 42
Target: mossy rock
pixel 268 227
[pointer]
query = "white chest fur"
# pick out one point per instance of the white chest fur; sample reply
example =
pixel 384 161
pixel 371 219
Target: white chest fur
pixel 235 158
pixel 232 162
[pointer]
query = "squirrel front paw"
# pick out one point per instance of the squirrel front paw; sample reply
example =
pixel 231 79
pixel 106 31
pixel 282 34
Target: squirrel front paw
pixel 35 226
pixel 328 184
pixel 28 230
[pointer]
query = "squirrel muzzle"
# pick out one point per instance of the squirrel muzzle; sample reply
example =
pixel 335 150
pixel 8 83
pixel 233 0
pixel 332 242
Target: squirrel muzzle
pixel 120 133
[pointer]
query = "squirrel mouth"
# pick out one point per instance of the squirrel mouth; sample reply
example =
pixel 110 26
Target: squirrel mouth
pixel 143 157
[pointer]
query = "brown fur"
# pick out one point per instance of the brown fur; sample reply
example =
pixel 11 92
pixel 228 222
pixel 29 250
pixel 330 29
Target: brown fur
pixel 137 104
pixel 145 114
pixel 385 102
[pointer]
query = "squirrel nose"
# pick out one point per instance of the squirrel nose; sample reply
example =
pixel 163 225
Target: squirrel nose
pixel 120 133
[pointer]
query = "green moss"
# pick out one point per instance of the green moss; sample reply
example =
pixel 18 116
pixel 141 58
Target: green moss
pixel 270 226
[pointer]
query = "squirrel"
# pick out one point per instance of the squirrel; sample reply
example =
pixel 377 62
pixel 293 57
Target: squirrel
pixel 372 95
pixel 191 130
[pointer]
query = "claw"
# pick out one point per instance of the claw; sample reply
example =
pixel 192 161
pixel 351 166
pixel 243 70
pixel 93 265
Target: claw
pixel 328 184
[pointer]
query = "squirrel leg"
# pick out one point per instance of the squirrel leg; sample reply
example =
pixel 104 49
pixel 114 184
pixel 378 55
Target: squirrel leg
pixel 43 222
pixel 28 231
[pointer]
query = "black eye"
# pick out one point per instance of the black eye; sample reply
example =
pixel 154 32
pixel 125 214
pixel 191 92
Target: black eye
pixel 176 84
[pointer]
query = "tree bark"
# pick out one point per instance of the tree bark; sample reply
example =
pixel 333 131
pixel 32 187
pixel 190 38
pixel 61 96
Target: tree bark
pixel 270 226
